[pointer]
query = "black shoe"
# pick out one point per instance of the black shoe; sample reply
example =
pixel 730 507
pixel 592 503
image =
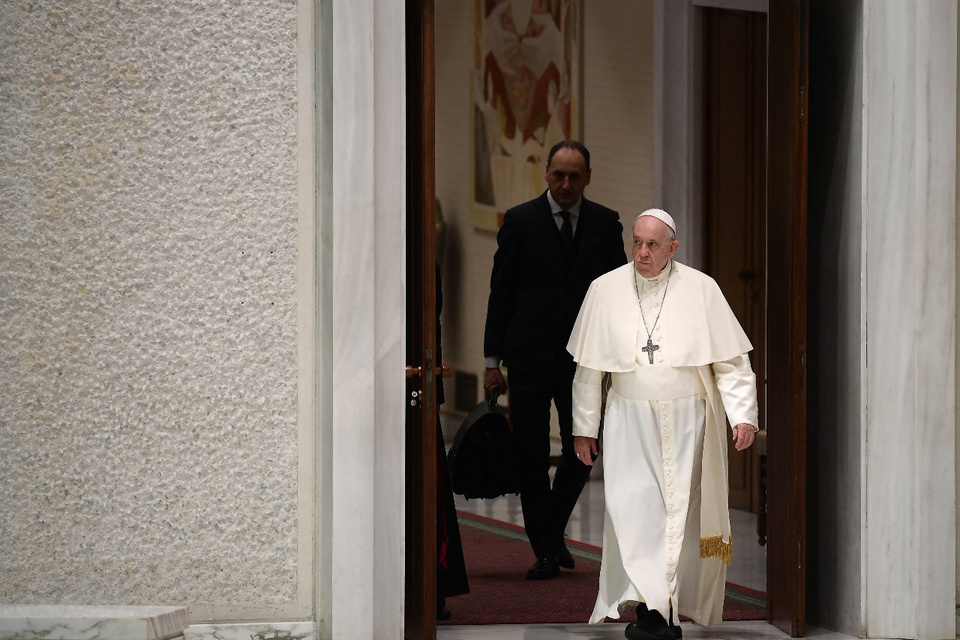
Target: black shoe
pixel 442 612
pixel 650 625
pixel 638 631
pixel 544 569
pixel 564 558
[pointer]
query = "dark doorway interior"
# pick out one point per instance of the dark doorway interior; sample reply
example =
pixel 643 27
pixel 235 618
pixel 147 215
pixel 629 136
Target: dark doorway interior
pixel 735 199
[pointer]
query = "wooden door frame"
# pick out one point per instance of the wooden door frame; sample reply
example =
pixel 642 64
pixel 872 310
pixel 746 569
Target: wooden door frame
pixel 787 313
pixel 420 608
pixel 787 198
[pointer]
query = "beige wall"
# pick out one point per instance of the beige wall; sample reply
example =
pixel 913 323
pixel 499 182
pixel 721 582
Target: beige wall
pixel 148 306
pixel 618 130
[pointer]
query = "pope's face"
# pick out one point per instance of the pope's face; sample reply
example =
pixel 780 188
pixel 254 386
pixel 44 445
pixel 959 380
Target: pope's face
pixel 652 246
pixel 566 176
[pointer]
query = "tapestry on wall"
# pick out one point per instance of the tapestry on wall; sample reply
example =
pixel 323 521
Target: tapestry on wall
pixel 526 98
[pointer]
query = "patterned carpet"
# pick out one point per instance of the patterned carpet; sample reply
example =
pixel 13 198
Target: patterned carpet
pixel 498 556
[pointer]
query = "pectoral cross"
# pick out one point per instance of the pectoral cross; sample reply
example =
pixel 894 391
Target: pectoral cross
pixel 650 348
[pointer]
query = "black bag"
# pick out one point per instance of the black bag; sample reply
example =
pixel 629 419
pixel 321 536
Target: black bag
pixel 483 458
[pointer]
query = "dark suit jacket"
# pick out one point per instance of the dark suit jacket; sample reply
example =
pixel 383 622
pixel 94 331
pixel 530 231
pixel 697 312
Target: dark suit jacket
pixel 534 295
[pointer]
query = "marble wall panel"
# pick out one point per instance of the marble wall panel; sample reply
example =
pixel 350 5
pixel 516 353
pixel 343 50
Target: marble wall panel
pixel 252 631
pixel 363 214
pixel 910 58
pixel 78 622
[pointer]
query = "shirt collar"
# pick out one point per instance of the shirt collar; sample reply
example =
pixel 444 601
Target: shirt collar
pixel 555 208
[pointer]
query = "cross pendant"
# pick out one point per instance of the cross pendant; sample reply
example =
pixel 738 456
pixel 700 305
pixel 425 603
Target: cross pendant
pixel 650 348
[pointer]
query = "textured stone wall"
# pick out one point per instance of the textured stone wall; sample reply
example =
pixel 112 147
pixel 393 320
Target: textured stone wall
pixel 148 362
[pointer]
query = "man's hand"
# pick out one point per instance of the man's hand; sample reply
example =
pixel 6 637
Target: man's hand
pixel 493 379
pixel 586 449
pixel 743 435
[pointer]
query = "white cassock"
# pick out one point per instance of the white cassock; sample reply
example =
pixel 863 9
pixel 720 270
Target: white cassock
pixel 666 535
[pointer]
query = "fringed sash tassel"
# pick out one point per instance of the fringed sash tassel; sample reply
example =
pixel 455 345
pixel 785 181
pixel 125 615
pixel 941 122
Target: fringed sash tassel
pixel 715 547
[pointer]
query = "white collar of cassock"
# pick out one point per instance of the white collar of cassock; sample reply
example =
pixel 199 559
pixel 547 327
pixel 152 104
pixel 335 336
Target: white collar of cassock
pixel 655 281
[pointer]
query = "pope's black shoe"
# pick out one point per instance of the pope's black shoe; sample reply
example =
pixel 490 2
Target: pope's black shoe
pixel 564 558
pixel 544 569
pixel 650 625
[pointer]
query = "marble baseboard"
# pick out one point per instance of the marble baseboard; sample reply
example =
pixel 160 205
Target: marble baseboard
pixel 253 631
pixel 81 622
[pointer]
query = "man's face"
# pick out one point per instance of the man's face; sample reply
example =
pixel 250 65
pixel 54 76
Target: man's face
pixel 566 176
pixel 652 247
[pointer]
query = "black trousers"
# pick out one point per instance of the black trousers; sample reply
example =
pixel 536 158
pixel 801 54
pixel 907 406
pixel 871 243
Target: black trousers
pixel 546 507
pixel 451 567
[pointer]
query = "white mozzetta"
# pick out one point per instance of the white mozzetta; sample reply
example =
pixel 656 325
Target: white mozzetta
pixel 77 622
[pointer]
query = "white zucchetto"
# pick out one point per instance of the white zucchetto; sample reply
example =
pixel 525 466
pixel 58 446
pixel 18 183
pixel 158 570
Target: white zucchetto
pixel 662 215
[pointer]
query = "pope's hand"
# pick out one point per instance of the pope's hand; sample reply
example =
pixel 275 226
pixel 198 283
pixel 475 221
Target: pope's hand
pixel 743 435
pixel 586 449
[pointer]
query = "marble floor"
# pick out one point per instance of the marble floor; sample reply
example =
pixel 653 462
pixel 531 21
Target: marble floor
pixel 725 631
pixel 586 525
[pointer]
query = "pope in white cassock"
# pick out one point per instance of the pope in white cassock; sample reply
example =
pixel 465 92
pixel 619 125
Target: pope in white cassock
pixel 679 365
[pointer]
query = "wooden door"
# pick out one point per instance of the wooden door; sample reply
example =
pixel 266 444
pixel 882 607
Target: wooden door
pixel 735 126
pixel 787 314
pixel 420 602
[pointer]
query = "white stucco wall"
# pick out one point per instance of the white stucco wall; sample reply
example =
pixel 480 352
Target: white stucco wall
pixel 148 335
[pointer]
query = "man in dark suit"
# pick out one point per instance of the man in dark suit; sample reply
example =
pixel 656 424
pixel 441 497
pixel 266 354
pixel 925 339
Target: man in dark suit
pixel 549 250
